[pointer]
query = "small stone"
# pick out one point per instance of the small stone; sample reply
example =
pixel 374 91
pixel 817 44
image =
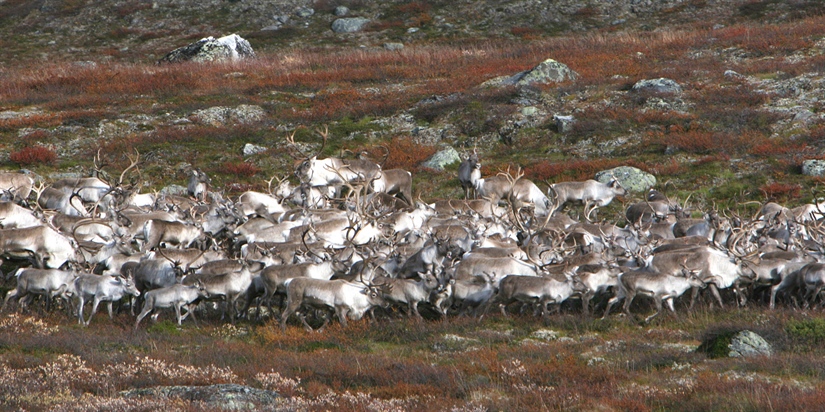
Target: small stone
pixel 412 30
pixel 393 46
pixel 341 11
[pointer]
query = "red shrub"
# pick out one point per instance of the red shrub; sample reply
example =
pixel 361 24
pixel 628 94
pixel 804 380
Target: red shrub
pixel 240 169
pixel 33 155
pixel 781 191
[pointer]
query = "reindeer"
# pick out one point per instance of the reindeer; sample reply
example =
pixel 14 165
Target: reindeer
pixel 198 184
pixel 346 298
pixel 469 171
pixel 45 245
pixel 15 187
pixel 169 233
pixel 13 216
pixel 334 171
pixel 101 288
pixel 47 282
pixel 536 290
pixel 661 287
pixel 177 296
pixel 592 193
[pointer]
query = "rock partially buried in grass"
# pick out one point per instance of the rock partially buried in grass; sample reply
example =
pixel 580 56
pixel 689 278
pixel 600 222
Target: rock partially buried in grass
pixel 231 47
pixel 732 344
pixel 442 159
pixel 660 85
pixel 813 167
pixel 349 24
pixel 219 397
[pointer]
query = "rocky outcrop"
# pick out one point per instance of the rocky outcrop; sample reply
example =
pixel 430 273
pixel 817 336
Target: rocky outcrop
pixel 231 47
pixel 548 71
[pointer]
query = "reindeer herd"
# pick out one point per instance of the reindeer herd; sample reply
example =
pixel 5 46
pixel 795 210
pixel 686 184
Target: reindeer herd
pixel 349 241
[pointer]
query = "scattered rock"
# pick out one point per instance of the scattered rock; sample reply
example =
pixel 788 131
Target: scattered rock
pixel 393 46
pixel 349 24
pixel 660 85
pixel 747 343
pixel 223 397
pixel 250 149
pixel 231 47
pixel 633 179
pixel 451 343
pixel 813 167
pixel 442 158
pixel 564 124
pixel 341 11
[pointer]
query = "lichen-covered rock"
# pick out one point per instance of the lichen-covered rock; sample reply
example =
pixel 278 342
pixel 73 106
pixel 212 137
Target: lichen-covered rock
pixel 393 46
pixel 548 71
pixel 813 167
pixel 442 158
pixel 222 397
pixel 660 85
pixel 631 178
pixel 250 149
pixel 349 24
pixel 231 47
pixel 219 115
pixel 747 343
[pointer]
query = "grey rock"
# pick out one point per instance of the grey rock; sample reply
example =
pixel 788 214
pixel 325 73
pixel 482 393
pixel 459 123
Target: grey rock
pixel 341 11
pixel 250 149
pixel 442 158
pixel 349 24
pixel 529 110
pixel 231 47
pixel 413 30
pixel 733 74
pixel 305 12
pixel 174 190
pixel 548 71
pixel 660 85
pixel 747 343
pixel 813 167
pixel 220 115
pixel 393 46
pixel 564 124
pixel 631 178
pixel 545 334
pixel 223 396
pixel 283 19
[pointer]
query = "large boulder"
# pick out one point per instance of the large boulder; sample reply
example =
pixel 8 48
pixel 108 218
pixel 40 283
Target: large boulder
pixel 442 159
pixel 631 178
pixel 231 47
pixel 747 343
pixel 813 167
pixel 349 24
pixel 660 85
pixel 548 71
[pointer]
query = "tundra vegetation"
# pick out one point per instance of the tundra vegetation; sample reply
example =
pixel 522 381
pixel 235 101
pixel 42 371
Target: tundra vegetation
pixel 727 151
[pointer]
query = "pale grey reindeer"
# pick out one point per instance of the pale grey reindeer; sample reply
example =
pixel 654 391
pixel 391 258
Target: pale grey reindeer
pixel 101 288
pixel 175 296
pixel 592 193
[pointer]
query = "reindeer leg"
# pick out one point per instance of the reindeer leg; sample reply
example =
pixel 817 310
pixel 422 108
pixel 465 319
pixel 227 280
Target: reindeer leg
pixel 658 301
